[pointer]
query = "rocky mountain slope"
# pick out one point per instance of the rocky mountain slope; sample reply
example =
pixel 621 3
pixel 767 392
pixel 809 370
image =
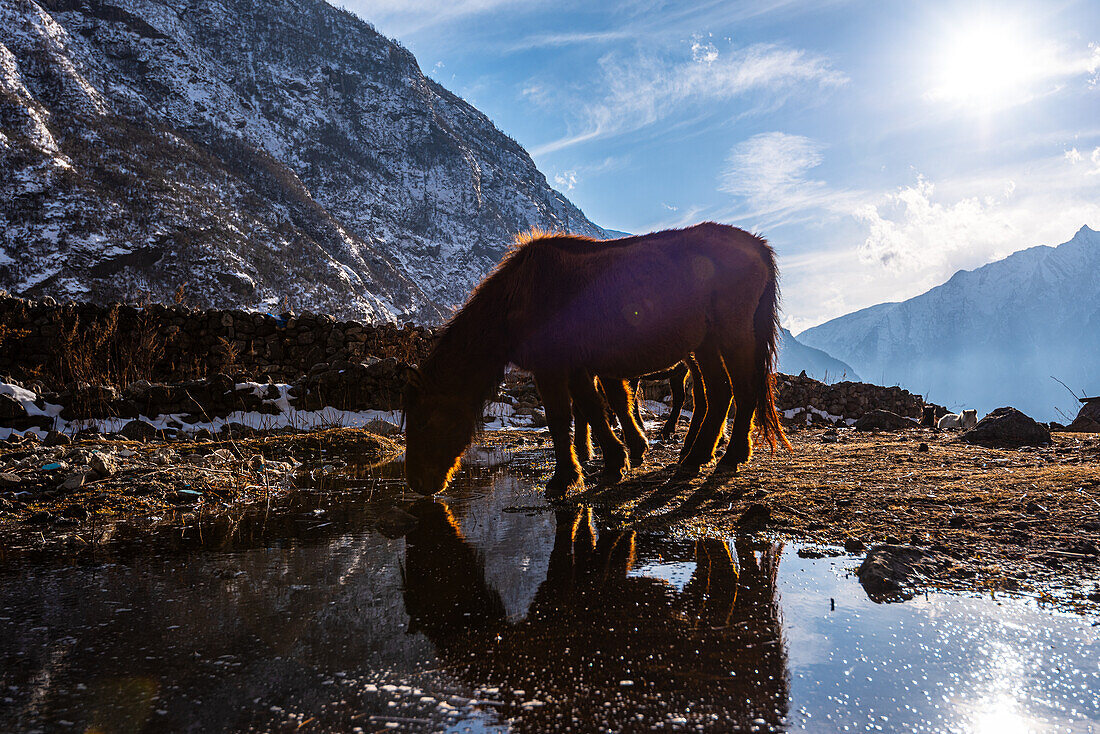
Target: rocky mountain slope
pixel 989 337
pixel 795 357
pixel 264 154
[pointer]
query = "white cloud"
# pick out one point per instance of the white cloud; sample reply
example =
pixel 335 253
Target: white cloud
pixel 704 53
pixel 768 174
pixel 1075 156
pixel 770 166
pixel 918 232
pixel 566 180
pixel 897 244
pixel 639 90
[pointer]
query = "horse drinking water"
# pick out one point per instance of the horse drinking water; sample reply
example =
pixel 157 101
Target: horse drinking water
pixel 567 308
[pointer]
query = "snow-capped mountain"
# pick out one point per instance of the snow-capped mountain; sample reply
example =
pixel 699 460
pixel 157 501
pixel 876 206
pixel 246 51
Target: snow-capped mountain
pixel 263 154
pixel 795 357
pixel 994 336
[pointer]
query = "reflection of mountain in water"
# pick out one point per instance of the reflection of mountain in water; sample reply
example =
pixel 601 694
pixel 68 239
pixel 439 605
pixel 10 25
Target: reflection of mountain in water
pixel 600 647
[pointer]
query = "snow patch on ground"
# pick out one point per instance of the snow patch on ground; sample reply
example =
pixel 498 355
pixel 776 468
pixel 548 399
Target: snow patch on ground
pixel 498 416
pixel 809 409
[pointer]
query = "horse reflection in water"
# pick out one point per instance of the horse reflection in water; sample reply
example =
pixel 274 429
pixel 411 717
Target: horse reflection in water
pixel 603 649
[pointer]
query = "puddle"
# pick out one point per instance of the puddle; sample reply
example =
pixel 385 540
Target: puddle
pixel 493 615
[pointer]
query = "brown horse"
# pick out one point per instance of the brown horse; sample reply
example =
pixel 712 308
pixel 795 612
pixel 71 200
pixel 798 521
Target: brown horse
pixel 567 308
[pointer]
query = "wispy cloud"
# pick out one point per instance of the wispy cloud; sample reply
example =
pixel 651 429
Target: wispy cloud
pixel 769 175
pixel 556 40
pixel 401 17
pixel 642 89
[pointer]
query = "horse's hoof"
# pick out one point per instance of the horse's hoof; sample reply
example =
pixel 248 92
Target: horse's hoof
pixel 609 477
pixel 687 471
pixel 636 459
pixel 725 470
pixel 559 486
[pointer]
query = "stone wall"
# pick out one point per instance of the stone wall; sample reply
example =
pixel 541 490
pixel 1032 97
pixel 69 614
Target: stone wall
pixel 53 346
pixel 844 399
pixel 100 361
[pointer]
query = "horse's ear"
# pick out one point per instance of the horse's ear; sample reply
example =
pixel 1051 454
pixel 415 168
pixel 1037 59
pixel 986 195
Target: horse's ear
pixel 413 378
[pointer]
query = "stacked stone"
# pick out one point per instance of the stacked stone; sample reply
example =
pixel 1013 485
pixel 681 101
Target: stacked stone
pixel 189 343
pixel 845 399
pixel 374 385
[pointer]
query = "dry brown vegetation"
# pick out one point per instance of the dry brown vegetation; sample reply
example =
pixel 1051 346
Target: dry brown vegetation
pixel 1000 519
pixel 98 352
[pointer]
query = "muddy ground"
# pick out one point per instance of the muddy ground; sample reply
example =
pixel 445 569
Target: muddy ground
pixel 70 496
pixel 997 520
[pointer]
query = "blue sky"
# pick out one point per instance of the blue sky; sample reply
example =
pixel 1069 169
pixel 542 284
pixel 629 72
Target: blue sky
pixel 880 146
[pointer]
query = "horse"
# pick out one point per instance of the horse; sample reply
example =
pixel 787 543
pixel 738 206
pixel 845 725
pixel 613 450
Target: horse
pixel 623 399
pixel 566 308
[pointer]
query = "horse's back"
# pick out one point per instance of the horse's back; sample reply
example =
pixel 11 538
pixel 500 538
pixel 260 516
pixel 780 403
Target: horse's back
pixel 637 304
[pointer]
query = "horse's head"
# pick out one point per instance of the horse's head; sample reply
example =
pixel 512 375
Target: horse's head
pixel 438 428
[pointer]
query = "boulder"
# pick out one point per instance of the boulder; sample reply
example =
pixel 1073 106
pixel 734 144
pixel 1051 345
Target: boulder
pixel 884 420
pixel 10 409
pixel 888 571
pixel 382 428
pixel 104 465
pixel 1088 420
pixel 139 430
pixel 1007 427
pixel 57 438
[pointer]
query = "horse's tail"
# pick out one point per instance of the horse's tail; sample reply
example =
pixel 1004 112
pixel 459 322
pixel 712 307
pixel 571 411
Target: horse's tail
pixel 766 328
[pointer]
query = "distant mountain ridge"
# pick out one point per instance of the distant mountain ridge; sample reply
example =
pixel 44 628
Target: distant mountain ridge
pixel 266 154
pixel 795 357
pixel 987 338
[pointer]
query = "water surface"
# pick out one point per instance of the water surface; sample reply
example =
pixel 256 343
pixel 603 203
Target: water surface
pixel 495 613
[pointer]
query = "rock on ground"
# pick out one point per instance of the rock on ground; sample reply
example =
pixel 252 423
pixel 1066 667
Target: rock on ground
pixel 884 420
pixel 139 430
pixel 1007 427
pixel 1088 420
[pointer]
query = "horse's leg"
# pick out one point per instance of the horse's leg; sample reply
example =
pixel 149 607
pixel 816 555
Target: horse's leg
pixel 554 390
pixel 582 437
pixel 635 391
pixel 594 408
pixel 698 406
pixel 716 383
pixel 677 383
pixel 621 399
pixel 740 361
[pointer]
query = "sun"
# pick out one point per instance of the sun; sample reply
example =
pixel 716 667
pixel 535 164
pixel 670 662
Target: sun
pixel 985 64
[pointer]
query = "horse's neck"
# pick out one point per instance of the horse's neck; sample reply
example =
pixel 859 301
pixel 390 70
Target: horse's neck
pixel 471 356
